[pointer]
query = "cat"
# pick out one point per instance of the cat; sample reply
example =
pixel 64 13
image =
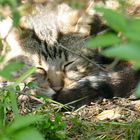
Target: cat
pixel 40 40
pixel 68 71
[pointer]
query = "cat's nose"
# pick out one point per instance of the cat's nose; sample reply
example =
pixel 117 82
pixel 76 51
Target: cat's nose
pixel 55 79
pixel 56 85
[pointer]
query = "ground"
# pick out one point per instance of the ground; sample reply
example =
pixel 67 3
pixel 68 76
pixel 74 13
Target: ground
pixel 113 119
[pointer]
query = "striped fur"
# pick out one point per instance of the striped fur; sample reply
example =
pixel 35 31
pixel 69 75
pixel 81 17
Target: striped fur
pixel 57 51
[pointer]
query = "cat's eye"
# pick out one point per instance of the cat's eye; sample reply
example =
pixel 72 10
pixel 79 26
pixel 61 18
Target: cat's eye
pixel 67 64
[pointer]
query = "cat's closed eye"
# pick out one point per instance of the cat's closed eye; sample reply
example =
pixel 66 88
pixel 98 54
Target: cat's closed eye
pixel 68 65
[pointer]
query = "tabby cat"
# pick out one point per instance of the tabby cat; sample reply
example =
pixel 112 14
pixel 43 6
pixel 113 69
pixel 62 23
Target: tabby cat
pixel 67 70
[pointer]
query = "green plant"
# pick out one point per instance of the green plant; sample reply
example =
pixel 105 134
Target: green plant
pixel 52 129
pixel 125 42
pixel 125 45
pixel 21 129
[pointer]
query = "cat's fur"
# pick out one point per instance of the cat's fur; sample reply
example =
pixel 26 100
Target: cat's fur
pixel 57 47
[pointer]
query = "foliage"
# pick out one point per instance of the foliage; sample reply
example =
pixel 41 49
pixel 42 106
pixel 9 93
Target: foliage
pixel 19 129
pixel 53 129
pixel 109 130
pixel 13 5
pixel 125 42
pixel 125 45
pixel 80 128
pixel 115 130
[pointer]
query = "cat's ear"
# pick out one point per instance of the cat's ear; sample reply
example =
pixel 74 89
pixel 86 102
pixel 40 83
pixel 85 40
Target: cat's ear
pixel 75 21
pixel 85 19
pixel 67 19
pixel 48 22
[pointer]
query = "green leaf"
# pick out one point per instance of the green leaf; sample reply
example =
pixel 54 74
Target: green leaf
pixel 14 103
pixel 125 51
pixel 1 45
pixel 133 36
pixel 133 32
pixel 32 85
pixel 29 134
pixel 137 93
pixel 12 3
pixel 2 115
pixel 23 122
pixel 61 134
pixel 133 24
pixel 6 71
pixel 5 138
pixel 16 17
pixel 104 40
pixel 114 19
pixel 24 76
pixel 2 58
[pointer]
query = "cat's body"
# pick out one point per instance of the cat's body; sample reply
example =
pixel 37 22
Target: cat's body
pixel 103 85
